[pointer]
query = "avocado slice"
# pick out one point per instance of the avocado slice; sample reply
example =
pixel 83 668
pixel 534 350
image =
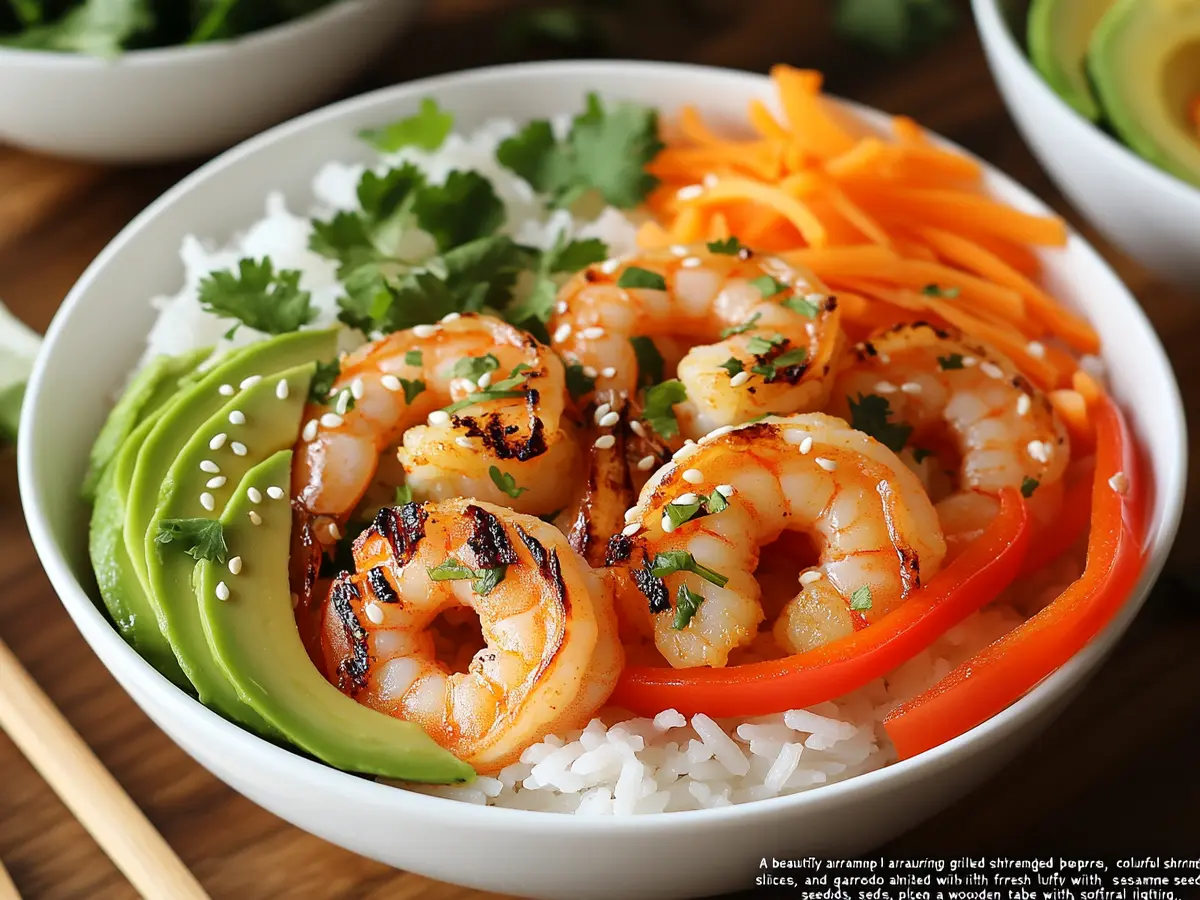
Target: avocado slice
pixel 254 638
pixel 1059 32
pixel 257 423
pixel 1144 60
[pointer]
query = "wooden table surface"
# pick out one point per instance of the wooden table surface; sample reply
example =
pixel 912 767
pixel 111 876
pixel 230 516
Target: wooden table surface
pixel 1116 774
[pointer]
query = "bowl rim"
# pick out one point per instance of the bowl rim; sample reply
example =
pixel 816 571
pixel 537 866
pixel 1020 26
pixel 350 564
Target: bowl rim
pixel 991 20
pixel 262 39
pixel 301 770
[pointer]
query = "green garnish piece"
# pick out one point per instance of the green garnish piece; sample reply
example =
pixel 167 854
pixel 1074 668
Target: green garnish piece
pixel 681 513
pixel 953 361
pixel 871 414
pixel 658 408
pixel 739 329
pixel 475 367
pixel 730 246
pixel 258 297
pixel 199 538
pixel 733 366
pixel 920 454
pixel 650 361
pixel 483 581
pixel 1028 486
pixel 323 381
pixel 427 129
pixel 500 390
pixel 801 305
pixel 860 600
pixel 635 277
pixel 687 603
pixel 462 210
pixel 564 257
pixel 934 290
pixel 505 482
pixel 895 27
pixel 578 383
pixel 768 286
pixel 785 360
pixel 760 346
pixel 403 495
pixel 414 358
pixel 672 561
pixel 412 389
pixel 766 415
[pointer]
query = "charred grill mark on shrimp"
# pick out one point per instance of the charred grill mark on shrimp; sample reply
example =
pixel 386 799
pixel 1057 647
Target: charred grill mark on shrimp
pixel 548 564
pixel 402 528
pixel 488 540
pixel 381 587
pixel 653 587
pixel 352 670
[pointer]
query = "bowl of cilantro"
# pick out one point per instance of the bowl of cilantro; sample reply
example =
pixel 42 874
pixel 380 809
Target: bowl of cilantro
pixel 146 81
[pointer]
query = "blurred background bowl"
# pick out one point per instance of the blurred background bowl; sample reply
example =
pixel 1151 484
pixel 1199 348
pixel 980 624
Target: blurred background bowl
pixel 175 103
pixel 1151 215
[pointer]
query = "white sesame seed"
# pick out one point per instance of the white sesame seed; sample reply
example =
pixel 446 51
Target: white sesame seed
pixel 451 317
pixel 885 359
pixel 237 417
pixel 631 529
pixel 1035 349
pixel 725 490
pixel 710 180
pixel 235 566
pixel 343 403
pixel 357 389
pixel 226 390
pixel 605 442
pixel 331 420
pixel 484 380
pixel 692 476
pixel 610 265
pixel 667 525
pixel 463 441
pixel 374 613
pixel 679 250
pixel 645 464
pixel 250 382
pixel 561 333
pixel 690 192
pixel 238 448
pixel 991 370
pixel 817 300
pixel 310 431
pixel 1119 482
pixel 217 481
pixel 390 383
pixel 637 428
pixel 594 333
pixel 683 452
pixel 1039 451
pixel 210 467
pixel 207 501
pixel 254 494
pixel 692 262
pixel 739 379
pixel 222 592
pixel 589 371
pixel 969 361
pixel 282 389
pixel 275 493
pixel 684 499
pixel 810 576
pixel 424 331
pixel 439 417
pixel 632 514
pixel 609 372
pixel 255 518
pixel 911 387
pixel 218 442
pixel 827 464
pixel 602 410
pixel 561 307
pixel 1024 404
pixel 806 445
pixel 610 420
pixel 885 387
pixel 718 432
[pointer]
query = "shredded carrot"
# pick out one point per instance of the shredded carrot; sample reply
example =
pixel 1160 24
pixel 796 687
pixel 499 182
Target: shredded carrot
pixel 812 126
pixel 1086 385
pixel 1073 410
pixel 652 236
pixel 765 123
pixel 718 228
pixel 772 196
pixel 692 126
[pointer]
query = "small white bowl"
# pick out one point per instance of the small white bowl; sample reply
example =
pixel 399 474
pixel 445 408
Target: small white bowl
pixel 100 331
pixel 188 101
pixel 1148 213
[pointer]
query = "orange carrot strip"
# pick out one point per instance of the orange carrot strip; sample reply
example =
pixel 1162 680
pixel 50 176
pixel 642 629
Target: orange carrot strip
pixel 1005 303
pixel 795 211
pixel 908 130
pixel 1073 410
pixel 761 159
pixel 975 213
pixel 653 236
pixel 718 227
pixel 1086 385
pixel 811 125
pixel 691 125
pixel 688 226
pixel 855 215
pixel 862 157
pixel 863 260
pixel 765 123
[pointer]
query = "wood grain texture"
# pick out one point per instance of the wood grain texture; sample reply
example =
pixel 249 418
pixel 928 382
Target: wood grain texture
pixel 1112 775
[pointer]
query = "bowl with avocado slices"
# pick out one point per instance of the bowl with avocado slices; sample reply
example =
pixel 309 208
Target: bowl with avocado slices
pixel 148 81
pixel 1107 94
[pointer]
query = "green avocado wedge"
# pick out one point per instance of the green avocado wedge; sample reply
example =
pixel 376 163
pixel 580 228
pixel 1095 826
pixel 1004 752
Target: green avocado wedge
pixel 1144 63
pixel 253 636
pixel 262 419
pixel 1059 32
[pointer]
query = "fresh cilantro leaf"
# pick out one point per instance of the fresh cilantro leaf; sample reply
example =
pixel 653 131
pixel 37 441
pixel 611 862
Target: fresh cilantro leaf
pixel 658 407
pixel 483 581
pixel 475 367
pixel 575 255
pixel 634 277
pixel 412 389
pixel 920 454
pixel 681 513
pixel 199 538
pixel 463 209
pixel 871 415
pixel 323 381
pixel 564 257
pixel 860 600
pixel 800 305
pixel 481 272
pixel 687 603
pixel 672 561
pixel 383 196
pixel 716 502
pixel 740 329
pixel 770 369
pixel 404 495
pixel 505 482
pixel 500 390
pixel 953 361
pixel 258 297
pixel 733 366
pixel 761 346
pixel 895 27
pixel 95 27
pixel 578 383
pixel 933 290
pixel 426 129
pixel 414 358
pixel 1028 486
pixel 768 286
pixel 730 246
pixel 649 360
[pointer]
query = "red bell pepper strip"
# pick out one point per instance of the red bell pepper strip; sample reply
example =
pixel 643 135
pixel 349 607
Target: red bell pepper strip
pixel 1007 669
pixel 985 568
pixel 1051 542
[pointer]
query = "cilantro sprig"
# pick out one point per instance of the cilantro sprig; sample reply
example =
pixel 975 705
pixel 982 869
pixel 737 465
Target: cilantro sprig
pixel 658 407
pixel 860 599
pixel 198 538
pixel 650 361
pixel 427 129
pixel 483 581
pixel 323 380
pixel 505 482
pixel 687 604
pixel 258 297
pixel 671 561
pixel 871 414
pixel 681 513
pixel 731 246
pixel 565 257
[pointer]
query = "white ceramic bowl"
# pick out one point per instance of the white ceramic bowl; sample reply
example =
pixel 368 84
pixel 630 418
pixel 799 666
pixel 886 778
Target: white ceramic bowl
pixel 1148 213
pixel 182 102
pixel 99 333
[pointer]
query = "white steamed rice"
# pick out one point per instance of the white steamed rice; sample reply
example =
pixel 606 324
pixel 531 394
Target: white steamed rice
pixel 616 765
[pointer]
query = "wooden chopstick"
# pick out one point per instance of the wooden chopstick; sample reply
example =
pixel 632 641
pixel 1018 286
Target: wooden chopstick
pixel 8 890
pixel 88 790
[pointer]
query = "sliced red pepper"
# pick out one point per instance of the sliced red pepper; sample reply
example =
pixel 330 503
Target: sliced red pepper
pixel 984 569
pixel 1007 669
pixel 1068 527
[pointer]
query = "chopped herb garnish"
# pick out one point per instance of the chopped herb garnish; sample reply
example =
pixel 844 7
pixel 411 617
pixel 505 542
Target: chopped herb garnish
pixel 769 286
pixel 785 360
pixel 953 361
pixel 427 129
pixel 658 407
pixel 672 561
pixel 730 246
pixel 198 538
pixel 323 381
pixel 687 602
pixel 860 600
pixel 483 581
pixel 475 367
pixel 463 209
pixel 258 297
pixel 920 454
pixel 739 329
pixel 760 346
pixel 412 389
pixel 650 361
pixel 578 383
pixel 505 482
pixel 871 414
pixel 565 257
pixel 414 358
pixel 733 366
pixel 1028 486
pixel 403 495
pixel 500 390
pixel 934 290
pixel 681 513
pixel 635 277
pixel 801 305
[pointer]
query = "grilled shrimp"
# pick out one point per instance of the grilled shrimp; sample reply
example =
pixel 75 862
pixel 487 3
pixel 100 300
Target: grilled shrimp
pixel 766 340
pixel 551 654
pixel 683 567
pixel 506 394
